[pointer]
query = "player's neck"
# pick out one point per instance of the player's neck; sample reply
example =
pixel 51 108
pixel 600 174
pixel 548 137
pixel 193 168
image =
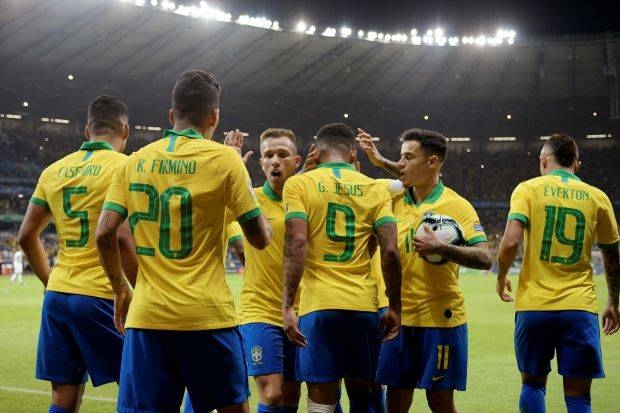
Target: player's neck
pixel 181 124
pixel 422 191
pixel 334 157
pixel 115 142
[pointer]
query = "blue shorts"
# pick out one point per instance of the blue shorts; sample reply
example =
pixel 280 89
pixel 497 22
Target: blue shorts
pixel 573 334
pixel 158 365
pixel 425 358
pixel 268 350
pixel 340 343
pixel 77 339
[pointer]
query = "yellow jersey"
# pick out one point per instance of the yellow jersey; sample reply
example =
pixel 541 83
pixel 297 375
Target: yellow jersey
pixel 233 232
pixel 175 192
pixel 563 217
pixel 73 190
pixel 342 208
pixel 260 300
pixel 377 274
pixel 430 293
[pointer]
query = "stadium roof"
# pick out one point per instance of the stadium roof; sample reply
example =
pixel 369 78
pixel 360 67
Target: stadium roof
pixel 136 53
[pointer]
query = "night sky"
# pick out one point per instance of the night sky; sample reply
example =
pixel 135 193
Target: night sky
pixel 458 17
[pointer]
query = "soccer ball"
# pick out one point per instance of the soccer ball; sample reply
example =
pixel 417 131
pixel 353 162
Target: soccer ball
pixel 446 228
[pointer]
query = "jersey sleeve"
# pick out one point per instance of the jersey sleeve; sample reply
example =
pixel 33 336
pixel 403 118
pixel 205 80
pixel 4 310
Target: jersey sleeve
pixel 239 196
pixel 293 199
pixel 473 231
pixel 116 198
pixel 520 204
pixel 233 232
pixel 38 197
pixel 606 225
pixel 384 211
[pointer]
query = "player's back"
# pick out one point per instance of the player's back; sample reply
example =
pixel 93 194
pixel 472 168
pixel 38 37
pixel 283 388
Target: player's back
pixel 564 217
pixel 342 208
pixel 73 189
pixel 177 190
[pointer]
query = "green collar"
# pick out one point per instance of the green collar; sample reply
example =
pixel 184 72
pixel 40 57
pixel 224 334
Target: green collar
pixel 270 193
pixel 96 145
pixel 343 165
pixel 188 133
pixel 431 198
pixel 564 174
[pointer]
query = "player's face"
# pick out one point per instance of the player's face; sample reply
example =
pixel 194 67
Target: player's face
pixel 413 164
pixel 279 160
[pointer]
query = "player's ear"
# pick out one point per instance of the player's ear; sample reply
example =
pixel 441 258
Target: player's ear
pixel 171 116
pixel 214 118
pixel 433 160
pixel 125 131
pixel 297 161
pixel 577 166
pixel 86 132
pixel 353 156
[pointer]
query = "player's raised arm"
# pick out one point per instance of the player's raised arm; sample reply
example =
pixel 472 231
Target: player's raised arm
pixel 392 274
pixel 109 255
pixel 374 156
pixel 36 219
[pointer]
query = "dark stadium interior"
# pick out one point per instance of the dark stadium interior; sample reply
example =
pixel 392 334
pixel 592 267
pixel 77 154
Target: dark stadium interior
pixel 272 78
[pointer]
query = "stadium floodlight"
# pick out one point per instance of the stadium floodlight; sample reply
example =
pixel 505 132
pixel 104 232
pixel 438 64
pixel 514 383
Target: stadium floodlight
pixel 461 139
pixel 275 26
pixel 301 27
pixel 311 30
pixel 589 136
pixel 453 41
pixel 329 32
pixel 388 38
pixel 345 32
pixel 510 40
pixel 416 40
pixel 11 116
pixel 426 117
pixel 346 115
pixel 481 40
pixel 70 76
pixel 438 32
pixel 545 137
pixel 25 104
pixel 380 36
pixel 441 41
pixel 372 36
pixel 414 32
pixel 58 120
pixel 428 40
pixel 503 138
pixel 153 128
pixel 45 119
pixel 360 33
pixel 594 114
pixel 509 116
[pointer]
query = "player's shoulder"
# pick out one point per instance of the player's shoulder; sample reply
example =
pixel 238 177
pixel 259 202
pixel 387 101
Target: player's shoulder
pixel 452 197
pixel 65 160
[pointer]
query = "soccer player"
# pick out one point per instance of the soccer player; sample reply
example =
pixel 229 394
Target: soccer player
pixel 181 328
pixel 270 355
pixel 18 267
pixel 431 351
pixel 331 213
pixel 234 240
pixel 560 218
pixel 77 338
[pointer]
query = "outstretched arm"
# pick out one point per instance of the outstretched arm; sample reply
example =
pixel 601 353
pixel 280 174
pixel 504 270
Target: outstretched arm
pixel 109 255
pixel 611 315
pixel 508 248
pixel 374 156
pixel 294 261
pixel 35 221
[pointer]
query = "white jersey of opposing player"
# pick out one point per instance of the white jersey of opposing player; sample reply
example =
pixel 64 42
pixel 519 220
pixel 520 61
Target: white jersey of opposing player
pixel 18 262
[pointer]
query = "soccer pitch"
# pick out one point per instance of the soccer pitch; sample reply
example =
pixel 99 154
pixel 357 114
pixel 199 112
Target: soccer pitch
pixel 493 380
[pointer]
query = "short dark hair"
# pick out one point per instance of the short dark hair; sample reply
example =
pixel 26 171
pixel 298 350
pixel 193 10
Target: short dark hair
pixel 278 132
pixel 431 142
pixel 337 136
pixel 106 112
pixel 195 94
pixel 563 148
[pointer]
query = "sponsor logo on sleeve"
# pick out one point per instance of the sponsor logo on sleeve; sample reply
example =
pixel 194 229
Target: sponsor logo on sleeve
pixel 478 227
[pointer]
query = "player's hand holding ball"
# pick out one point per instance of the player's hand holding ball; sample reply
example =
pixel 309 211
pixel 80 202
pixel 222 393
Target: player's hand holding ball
pixel 433 234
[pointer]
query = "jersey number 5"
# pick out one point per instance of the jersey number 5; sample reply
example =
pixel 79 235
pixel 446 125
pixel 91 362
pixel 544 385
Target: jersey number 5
pixel 555 225
pixel 67 193
pixel 153 215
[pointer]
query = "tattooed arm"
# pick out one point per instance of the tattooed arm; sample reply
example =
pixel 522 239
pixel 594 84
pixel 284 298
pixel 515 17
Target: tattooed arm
pixel 109 255
pixel 257 231
pixel 35 220
pixel 508 248
pixel 392 275
pixel 611 314
pixel 294 261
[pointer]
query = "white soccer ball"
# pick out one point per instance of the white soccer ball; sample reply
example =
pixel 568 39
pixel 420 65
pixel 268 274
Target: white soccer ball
pixel 446 228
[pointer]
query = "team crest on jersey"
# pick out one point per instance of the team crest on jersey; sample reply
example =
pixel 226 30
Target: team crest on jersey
pixel 428 213
pixel 257 354
pixel 478 227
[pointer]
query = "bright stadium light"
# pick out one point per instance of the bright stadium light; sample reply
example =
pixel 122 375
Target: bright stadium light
pixel 70 77
pixel 416 40
pixel 414 32
pixel 154 3
pixel 345 32
pixel 589 136
pixel 139 2
pixel 441 41
pixel 301 27
pixel 481 40
pixel 25 104
pixel 510 40
pixel 311 30
pixel 453 41
pixel 594 114
pixel 509 116
pixel 11 116
pixel 387 37
pixel 346 115
pixel 360 33
pixel 545 137
pixel 329 32
pixel 380 36
pixel 503 138
pixel 372 36
pixel 426 117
